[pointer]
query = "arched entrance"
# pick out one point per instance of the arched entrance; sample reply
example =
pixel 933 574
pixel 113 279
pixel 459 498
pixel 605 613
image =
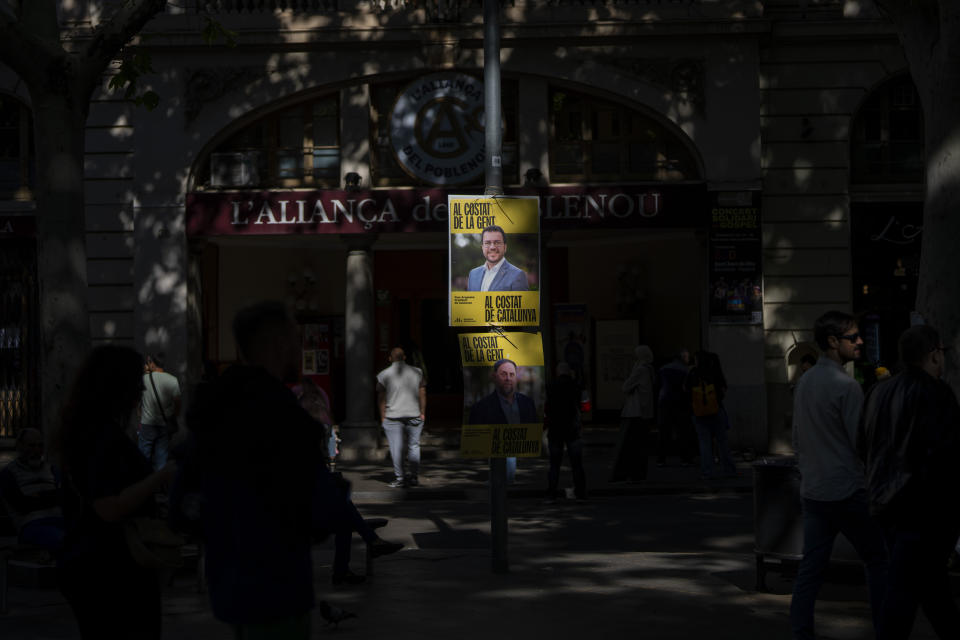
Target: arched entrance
pixel 273 212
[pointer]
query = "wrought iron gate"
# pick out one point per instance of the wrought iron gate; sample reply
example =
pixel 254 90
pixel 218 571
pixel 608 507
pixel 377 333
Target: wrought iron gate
pixel 19 329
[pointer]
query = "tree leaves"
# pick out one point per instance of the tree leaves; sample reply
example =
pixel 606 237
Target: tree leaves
pixel 136 63
pixel 213 31
pixel 133 65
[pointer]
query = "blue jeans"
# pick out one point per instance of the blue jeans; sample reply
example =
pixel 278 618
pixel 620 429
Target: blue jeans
pixel 331 436
pixel 398 430
pixel 511 470
pixel 154 444
pixel 708 428
pixel 575 453
pixel 822 521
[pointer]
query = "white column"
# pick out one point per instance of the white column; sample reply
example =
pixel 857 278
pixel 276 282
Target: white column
pixel 361 426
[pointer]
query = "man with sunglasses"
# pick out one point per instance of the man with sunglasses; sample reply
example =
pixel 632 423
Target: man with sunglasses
pixel 827 407
pixel 496 274
pixel 911 438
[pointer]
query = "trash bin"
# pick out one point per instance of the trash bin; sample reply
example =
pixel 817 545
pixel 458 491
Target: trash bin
pixel 777 519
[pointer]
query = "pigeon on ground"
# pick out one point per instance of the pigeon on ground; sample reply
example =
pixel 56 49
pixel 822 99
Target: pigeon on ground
pixel 334 615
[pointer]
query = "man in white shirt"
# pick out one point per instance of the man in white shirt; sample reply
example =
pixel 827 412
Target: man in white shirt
pixel 827 407
pixel 496 274
pixel 402 399
pixel 159 409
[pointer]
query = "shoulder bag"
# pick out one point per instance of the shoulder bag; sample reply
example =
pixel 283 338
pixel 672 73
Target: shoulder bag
pixel 171 423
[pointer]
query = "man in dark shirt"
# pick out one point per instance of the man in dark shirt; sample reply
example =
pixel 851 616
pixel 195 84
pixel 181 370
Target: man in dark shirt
pixel 911 438
pixel 265 490
pixel 673 411
pixel 562 420
pixel 505 405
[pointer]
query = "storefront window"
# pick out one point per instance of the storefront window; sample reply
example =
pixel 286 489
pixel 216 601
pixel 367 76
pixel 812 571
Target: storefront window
pixel 16 150
pixel 385 168
pixel 296 147
pixel 598 141
pixel 887 141
pixel 886 239
pixel 886 148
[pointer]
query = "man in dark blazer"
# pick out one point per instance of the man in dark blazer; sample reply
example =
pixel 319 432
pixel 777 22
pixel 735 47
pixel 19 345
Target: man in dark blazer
pixel 505 405
pixel 499 274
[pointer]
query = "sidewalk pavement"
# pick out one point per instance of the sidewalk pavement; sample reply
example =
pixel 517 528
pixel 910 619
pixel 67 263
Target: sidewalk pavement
pixel 446 476
pixel 668 558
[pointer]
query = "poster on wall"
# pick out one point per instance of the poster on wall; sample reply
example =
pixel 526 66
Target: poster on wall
pixel 736 276
pixel 309 362
pixel 315 346
pixel 494 260
pixel 503 394
pixel 616 341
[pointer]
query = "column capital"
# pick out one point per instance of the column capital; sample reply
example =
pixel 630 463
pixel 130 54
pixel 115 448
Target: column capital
pixel 358 241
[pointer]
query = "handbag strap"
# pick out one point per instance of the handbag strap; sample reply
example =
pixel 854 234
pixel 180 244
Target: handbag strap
pixel 157 396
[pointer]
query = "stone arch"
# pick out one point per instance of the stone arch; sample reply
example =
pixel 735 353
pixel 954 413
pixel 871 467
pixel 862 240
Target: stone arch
pixel 250 98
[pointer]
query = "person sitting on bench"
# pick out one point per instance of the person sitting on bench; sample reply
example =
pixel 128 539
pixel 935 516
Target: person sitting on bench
pixel 29 490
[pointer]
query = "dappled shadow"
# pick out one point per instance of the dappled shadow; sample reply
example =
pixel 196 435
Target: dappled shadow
pixel 203 93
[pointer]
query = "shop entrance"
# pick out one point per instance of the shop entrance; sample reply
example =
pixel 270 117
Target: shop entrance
pixel 652 281
pixel 307 273
pixel 411 312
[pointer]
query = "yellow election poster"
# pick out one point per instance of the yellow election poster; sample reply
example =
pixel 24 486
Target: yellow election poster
pixel 503 394
pixel 494 260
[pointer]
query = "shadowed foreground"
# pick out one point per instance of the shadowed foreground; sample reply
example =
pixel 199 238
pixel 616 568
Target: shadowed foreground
pixel 666 566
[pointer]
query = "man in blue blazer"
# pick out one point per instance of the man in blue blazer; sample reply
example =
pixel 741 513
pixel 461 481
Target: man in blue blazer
pixel 496 274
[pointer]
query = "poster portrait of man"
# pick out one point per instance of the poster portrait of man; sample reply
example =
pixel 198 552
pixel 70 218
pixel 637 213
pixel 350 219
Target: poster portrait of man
pixel 496 273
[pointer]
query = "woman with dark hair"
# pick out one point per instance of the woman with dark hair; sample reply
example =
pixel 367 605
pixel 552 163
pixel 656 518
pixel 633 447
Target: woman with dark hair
pixel 107 481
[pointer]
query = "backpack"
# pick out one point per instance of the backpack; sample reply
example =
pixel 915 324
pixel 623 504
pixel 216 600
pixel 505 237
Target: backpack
pixel 704 399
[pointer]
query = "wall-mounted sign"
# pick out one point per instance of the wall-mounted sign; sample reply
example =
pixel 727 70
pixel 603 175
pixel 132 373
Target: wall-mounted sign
pixel 494 260
pixel 216 213
pixel 436 128
pixel 17 226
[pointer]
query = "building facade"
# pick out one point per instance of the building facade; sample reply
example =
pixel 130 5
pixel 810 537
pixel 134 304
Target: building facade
pixel 708 174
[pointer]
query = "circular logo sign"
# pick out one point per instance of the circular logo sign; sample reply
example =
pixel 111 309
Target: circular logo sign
pixel 436 129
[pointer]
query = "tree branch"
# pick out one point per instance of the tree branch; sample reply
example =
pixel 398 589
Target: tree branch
pixel 950 30
pixel 918 23
pixel 111 36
